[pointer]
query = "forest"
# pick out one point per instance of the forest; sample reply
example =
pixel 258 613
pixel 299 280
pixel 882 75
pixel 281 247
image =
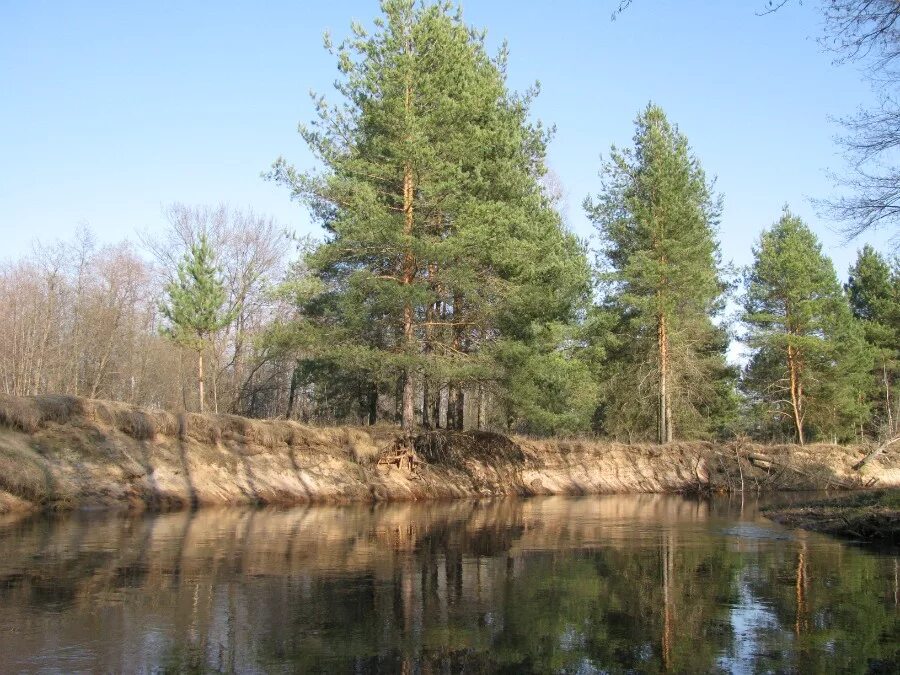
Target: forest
pixel 447 292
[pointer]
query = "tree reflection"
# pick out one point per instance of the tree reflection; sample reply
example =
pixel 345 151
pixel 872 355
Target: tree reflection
pixel 616 584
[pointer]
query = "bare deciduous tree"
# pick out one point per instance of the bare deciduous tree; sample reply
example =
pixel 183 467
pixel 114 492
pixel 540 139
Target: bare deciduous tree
pixel 252 252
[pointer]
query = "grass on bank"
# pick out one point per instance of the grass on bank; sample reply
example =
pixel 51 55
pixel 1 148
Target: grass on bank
pixel 31 414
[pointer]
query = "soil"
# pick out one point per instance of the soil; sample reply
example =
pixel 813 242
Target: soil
pixel 61 452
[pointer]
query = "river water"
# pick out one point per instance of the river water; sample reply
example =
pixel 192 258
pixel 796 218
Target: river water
pixel 581 585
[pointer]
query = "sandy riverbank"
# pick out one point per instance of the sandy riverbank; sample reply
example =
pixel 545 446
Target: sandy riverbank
pixel 60 452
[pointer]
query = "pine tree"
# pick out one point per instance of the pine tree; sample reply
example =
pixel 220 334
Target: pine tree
pixel 195 304
pixel 438 229
pixel 873 289
pixel 657 216
pixel 810 361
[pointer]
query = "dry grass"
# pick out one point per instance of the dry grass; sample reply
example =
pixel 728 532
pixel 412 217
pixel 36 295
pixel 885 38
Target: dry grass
pixel 30 413
pixel 137 424
pixel 201 428
pixel 59 408
pixel 142 425
pixel 263 433
pixel 165 423
pixel 286 432
pixel 257 432
pixel 19 413
pixel 21 473
pixel 209 428
pixel 361 446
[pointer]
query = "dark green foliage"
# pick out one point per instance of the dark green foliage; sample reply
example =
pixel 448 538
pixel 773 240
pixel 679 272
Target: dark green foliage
pixel 544 387
pixel 657 215
pixel 440 240
pixel 195 306
pixel 809 369
pixel 874 293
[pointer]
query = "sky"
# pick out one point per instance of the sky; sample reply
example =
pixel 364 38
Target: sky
pixel 110 111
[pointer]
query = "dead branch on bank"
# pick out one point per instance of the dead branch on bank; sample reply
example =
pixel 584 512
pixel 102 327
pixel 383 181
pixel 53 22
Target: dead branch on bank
pixel 877 451
pixel 401 455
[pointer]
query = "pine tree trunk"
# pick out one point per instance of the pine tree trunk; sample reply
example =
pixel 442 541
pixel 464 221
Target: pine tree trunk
pixel 452 407
pixel 408 420
pixel 456 404
pixel 428 392
pixel 887 398
pixel 450 412
pixel 238 372
pixel 669 427
pixel 200 376
pixel 443 407
pixel 665 415
pixel 436 404
pixel 291 395
pixel 373 405
pixel 796 392
pixel 182 376
pixel 408 412
pixel 482 407
pixel 426 417
pixel 215 382
pixel 459 412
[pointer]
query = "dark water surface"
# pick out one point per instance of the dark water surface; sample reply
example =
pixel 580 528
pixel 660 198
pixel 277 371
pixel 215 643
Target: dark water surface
pixel 593 584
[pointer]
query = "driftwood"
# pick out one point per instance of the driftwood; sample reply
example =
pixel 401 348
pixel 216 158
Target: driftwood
pixel 877 451
pixel 401 455
pixel 766 462
pixel 762 461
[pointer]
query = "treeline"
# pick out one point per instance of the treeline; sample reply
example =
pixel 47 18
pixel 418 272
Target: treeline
pixel 86 320
pixel 448 293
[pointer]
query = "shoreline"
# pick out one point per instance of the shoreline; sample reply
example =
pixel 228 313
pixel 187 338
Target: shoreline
pixel 869 516
pixel 63 452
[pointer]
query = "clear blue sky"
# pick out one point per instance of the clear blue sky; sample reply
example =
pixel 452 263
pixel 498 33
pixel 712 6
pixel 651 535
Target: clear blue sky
pixel 111 110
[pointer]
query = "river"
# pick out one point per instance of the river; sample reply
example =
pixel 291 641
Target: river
pixel 641 583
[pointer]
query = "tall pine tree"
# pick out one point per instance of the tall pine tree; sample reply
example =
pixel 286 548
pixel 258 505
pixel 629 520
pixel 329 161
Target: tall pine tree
pixel 873 289
pixel 657 216
pixel 810 363
pixel 440 240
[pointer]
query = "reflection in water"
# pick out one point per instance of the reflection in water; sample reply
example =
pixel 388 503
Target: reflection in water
pixel 637 583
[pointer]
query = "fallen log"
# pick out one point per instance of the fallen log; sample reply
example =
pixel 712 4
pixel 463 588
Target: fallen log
pixel 877 451
pixel 760 461
pixel 766 462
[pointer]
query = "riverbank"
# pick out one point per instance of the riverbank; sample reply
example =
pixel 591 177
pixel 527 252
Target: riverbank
pixel 872 516
pixel 63 452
